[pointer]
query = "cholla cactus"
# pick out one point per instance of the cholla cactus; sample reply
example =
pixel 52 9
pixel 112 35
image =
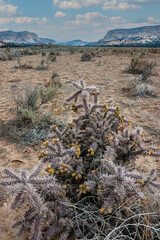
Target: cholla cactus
pixel 29 189
pixel 84 183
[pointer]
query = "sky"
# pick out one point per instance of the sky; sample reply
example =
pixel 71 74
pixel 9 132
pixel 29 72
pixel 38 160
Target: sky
pixel 66 20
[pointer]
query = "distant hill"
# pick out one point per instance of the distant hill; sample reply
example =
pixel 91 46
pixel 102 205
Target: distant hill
pixel 23 38
pixel 141 36
pixel 77 43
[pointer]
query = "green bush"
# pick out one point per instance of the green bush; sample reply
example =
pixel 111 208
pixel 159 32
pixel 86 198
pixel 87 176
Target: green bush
pixel 28 101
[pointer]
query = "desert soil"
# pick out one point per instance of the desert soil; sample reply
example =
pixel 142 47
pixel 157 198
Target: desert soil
pixel 107 73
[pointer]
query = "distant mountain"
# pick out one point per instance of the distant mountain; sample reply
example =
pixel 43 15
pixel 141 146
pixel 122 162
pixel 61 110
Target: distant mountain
pixel 23 38
pixel 142 36
pixel 77 43
pixel 47 41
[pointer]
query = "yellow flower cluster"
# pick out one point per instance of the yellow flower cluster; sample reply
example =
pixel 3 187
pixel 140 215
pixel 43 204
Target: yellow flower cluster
pixel 74 108
pixel 42 154
pixel 105 107
pixel 121 120
pixel 117 112
pixel 158 148
pixel 82 189
pixel 78 150
pixel 150 152
pixel 140 181
pixel 63 168
pixel 77 176
pixel 49 169
pixel 45 144
pixel 55 140
pixel 71 125
pixel 91 151
pixel 109 138
pixel 103 210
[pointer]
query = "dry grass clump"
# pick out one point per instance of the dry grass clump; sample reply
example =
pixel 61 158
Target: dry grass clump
pixel 31 126
pixel 86 185
pixel 54 81
pixel 42 66
pixel 28 101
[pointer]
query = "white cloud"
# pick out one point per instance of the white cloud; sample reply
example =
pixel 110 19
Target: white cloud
pixel 44 20
pixel 55 1
pixel 75 4
pixel 116 19
pixel 153 20
pixel 60 14
pixel 6 20
pixel 119 5
pixel 21 20
pixel 7 9
pixel 69 5
pixel 90 16
pixel 107 4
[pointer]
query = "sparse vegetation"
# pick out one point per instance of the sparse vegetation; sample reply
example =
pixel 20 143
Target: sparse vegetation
pixel 42 66
pixel 52 56
pixel 22 66
pixel 141 66
pixel 87 186
pixel 28 101
pixel 86 56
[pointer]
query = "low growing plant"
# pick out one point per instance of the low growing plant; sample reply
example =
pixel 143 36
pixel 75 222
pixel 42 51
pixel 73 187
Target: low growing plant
pixel 28 101
pixel 86 56
pixel 141 66
pixel 86 186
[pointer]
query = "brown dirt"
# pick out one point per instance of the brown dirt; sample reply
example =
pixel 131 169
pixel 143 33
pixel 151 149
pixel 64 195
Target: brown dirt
pixel 107 73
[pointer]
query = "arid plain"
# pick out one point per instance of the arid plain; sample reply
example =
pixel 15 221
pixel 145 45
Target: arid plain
pixel 107 72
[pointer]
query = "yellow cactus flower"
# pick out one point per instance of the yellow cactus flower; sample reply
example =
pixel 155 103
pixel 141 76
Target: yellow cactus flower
pixel 102 210
pixel 43 174
pixel 63 168
pixel 51 170
pixel 82 189
pixel 77 176
pixel 150 152
pixel 141 181
pixel 109 211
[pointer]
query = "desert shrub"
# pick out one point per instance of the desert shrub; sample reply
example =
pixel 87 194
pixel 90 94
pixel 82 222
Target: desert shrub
pixel 137 88
pixel 3 57
pixel 6 56
pixel 86 56
pixel 86 186
pixel 22 66
pixel 144 90
pixel 28 101
pixel 141 66
pixel 43 54
pixel 52 56
pixel 42 67
pixel 54 81
pixel 72 50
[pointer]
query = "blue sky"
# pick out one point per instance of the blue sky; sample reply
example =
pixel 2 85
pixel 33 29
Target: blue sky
pixel 65 20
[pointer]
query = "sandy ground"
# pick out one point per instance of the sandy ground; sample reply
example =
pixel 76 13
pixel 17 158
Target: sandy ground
pixel 107 73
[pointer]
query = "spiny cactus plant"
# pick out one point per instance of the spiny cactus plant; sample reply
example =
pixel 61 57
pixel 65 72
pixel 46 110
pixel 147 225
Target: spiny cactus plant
pixel 84 191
